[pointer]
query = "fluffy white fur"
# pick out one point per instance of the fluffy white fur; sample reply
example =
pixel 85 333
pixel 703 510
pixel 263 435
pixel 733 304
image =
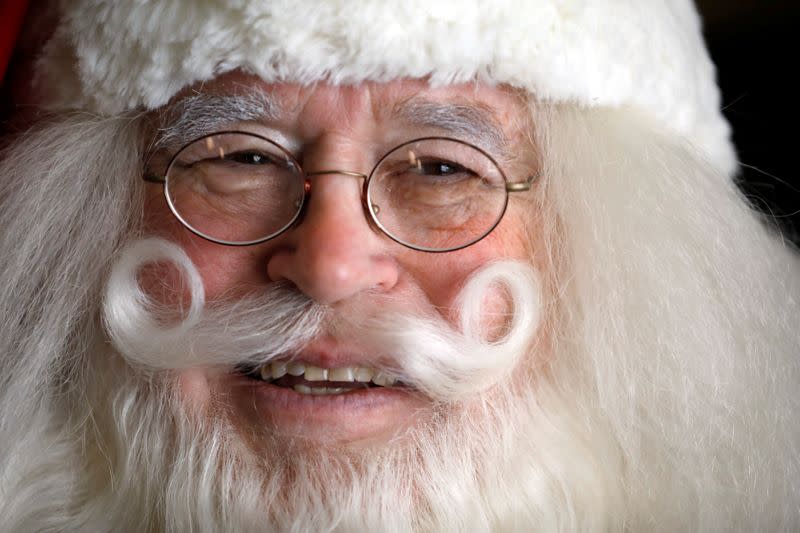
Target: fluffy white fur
pixel 661 397
pixel 643 53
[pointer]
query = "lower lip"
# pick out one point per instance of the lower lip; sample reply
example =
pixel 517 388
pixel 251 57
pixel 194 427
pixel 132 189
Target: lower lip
pixel 362 414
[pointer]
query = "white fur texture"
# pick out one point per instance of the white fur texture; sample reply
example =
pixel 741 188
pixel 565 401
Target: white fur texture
pixel 109 56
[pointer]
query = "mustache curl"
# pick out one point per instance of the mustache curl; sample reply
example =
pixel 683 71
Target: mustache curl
pixel 426 353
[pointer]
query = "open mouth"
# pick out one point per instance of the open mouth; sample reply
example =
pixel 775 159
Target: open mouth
pixel 313 380
pixel 347 404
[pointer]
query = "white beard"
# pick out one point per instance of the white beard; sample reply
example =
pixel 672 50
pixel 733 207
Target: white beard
pixel 661 395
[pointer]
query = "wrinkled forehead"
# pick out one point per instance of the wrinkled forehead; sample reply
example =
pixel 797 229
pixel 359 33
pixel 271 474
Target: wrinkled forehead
pixel 325 100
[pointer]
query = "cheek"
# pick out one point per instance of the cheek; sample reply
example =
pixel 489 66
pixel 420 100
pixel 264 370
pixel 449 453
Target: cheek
pixel 224 269
pixel 442 276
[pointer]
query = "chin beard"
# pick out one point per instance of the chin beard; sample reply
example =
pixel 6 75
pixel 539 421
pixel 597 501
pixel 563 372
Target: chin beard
pixel 467 466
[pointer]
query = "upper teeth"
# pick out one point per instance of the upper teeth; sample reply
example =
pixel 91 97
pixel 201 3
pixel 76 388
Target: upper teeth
pixel 350 374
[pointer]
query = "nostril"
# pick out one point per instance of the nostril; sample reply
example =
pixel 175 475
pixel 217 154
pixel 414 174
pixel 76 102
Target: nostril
pixel 277 266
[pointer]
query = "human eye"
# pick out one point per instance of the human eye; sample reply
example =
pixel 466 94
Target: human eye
pixel 227 148
pixel 238 172
pixel 436 174
pixel 252 158
pixel 436 168
pixel 233 163
pixel 435 188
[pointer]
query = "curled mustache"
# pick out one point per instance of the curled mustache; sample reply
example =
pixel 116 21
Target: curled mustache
pixel 424 352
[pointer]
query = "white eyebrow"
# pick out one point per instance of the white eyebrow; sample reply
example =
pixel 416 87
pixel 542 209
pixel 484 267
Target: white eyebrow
pixel 464 122
pixel 202 114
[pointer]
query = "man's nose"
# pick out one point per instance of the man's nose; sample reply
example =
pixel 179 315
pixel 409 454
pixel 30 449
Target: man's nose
pixel 334 254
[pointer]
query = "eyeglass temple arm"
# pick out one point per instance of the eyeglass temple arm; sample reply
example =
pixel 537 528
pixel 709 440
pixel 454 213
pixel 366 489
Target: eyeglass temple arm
pixel 522 185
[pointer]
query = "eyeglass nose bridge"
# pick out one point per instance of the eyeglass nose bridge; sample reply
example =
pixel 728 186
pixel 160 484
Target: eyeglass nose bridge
pixel 353 174
pixel 307 184
pixel 335 171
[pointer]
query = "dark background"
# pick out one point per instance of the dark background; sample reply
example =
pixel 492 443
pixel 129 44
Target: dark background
pixel 754 45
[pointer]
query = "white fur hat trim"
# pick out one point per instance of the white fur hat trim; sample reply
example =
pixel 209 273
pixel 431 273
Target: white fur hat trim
pixel 108 56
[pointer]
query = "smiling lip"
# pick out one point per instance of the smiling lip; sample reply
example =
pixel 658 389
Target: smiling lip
pixel 358 415
pixel 367 412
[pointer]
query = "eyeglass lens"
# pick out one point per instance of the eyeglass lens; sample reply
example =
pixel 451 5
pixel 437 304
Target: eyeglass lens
pixel 430 194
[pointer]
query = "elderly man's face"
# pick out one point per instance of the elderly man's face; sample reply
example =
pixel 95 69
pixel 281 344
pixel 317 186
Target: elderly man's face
pixel 336 257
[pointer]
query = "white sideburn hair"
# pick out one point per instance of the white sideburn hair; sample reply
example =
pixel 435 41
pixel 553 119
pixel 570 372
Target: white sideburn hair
pixel 660 396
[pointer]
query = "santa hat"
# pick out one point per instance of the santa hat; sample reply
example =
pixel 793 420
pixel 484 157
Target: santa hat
pixel 108 56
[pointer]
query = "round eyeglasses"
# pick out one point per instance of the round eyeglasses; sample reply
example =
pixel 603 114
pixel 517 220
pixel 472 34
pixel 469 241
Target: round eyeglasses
pixel 432 194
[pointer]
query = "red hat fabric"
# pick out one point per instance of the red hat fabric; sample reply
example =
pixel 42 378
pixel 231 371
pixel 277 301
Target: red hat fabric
pixel 12 14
